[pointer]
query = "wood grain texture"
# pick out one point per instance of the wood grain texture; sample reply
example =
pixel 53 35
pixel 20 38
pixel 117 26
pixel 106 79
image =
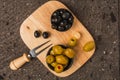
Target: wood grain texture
pixel 17 63
pixel 40 20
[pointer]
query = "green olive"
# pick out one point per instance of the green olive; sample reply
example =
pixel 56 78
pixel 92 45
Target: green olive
pixel 57 49
pixel 89 46
pixel 54 64
pixel 61 59
pixel 52 53
pixel 50 59
pixel 58 68
pixel 69 53
pixel 72 42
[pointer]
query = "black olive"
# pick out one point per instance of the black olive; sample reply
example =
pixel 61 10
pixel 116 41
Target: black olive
pixel 56 13
pixel 68 26
pixel 54 26
pixel 70 19
pixel 53 20
pixel 45 34
pixel 37 33
pixel 65 15
pixel 61 12
pixel 56 19
pixel 63 23
pixel 60 28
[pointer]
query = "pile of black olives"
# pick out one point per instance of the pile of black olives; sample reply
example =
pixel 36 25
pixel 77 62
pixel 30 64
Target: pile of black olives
pixel 61 20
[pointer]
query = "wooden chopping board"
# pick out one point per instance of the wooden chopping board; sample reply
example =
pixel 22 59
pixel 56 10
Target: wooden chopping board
pixel 40 20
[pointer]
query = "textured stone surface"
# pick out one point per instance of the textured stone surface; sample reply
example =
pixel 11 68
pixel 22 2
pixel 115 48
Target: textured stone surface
pixel 99 16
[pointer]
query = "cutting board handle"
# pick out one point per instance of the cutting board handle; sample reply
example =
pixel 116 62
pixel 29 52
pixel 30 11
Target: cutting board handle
pixel 17 63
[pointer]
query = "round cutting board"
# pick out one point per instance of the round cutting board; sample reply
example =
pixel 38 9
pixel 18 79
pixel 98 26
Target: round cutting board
pixel 41 20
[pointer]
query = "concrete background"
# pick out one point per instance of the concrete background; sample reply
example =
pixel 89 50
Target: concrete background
pixel 100 17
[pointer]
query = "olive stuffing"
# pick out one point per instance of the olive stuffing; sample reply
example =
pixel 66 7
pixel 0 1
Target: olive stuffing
pixel 58 68
pixel 61 20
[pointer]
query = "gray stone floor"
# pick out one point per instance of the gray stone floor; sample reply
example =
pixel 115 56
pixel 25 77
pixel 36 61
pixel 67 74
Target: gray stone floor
pixel 99 16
